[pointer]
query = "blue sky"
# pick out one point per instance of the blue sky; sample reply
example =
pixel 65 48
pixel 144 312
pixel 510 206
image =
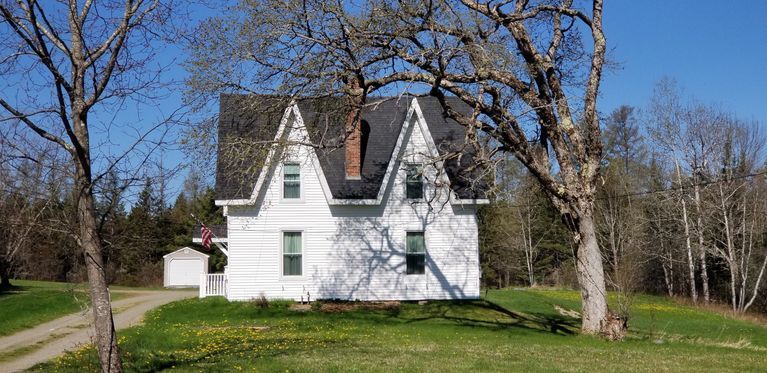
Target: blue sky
pixel 716 53
pixel 716 50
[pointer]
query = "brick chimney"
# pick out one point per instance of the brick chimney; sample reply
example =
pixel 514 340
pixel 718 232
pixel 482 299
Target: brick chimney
pixel 353 127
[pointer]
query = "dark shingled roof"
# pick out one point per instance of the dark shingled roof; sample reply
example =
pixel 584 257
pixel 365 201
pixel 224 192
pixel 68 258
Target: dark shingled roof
pixel 245 122
pixel 381 125
pixel 465 176
pixel 254 119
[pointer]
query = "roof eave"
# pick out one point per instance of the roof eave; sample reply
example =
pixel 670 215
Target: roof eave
pixel 472 201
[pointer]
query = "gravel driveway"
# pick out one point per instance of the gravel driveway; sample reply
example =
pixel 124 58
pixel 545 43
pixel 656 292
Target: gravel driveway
pixel 51 339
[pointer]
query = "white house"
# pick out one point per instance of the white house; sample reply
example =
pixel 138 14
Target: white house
pixel 389 213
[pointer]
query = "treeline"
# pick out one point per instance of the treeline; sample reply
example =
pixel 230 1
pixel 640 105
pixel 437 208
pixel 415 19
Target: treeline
pixel 681 210
pixel 38 224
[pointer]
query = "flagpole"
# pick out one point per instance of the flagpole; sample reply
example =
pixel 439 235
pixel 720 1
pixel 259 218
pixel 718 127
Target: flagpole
pixel 218 244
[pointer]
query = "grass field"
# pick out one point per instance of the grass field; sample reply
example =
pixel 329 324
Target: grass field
pixel 512 330
pixel 31 303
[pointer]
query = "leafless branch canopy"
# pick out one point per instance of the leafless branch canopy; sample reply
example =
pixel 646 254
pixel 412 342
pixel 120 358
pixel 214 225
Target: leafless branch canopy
pixel 521 65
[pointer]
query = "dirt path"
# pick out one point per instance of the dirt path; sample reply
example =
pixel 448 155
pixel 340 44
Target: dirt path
pixel 49 340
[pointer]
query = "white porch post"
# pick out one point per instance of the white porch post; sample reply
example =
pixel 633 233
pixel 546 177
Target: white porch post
pixel 203 285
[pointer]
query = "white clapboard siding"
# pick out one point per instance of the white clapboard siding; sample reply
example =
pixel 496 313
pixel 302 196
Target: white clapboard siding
pixel 353 252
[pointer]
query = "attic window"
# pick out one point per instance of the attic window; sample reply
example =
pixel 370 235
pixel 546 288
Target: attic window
pixel 414 182
pixel 291 180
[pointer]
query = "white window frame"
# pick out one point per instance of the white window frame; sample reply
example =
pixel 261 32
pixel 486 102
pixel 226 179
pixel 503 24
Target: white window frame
pixel 280 262
pixel 300 182
pixel 423 182
pixel 425 252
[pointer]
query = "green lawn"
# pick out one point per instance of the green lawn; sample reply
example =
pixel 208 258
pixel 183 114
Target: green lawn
pixel 31 303
pixel 513 330
pixel 35 302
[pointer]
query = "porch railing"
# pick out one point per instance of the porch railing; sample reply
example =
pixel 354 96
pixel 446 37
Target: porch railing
pixel 214 284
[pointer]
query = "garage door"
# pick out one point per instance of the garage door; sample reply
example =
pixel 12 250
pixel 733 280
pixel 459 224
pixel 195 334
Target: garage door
pixel 185 272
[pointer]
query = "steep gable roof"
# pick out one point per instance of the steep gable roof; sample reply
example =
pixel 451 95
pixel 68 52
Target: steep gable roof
pixel 382 122
pixel 246 120
pixel 246 126
pixel 449 137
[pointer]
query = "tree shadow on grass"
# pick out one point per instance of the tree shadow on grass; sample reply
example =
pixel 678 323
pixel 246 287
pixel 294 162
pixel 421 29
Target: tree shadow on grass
pixel 483 313
pixel 469 313
pixel 13 289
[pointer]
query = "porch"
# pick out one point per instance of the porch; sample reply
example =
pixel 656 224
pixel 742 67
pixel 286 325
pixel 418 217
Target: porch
pixel 214 284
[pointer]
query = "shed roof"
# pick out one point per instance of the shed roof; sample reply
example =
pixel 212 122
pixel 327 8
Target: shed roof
pixel 189 251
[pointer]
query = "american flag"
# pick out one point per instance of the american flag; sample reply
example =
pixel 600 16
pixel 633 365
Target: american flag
pixel 207 236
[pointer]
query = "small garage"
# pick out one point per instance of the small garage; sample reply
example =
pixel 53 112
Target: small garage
pixel 183 268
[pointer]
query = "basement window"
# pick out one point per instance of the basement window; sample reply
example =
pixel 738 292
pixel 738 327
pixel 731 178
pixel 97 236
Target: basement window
pixel 414 182
pixel 416 253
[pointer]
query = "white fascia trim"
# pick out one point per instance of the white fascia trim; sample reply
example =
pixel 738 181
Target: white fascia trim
pixel 187 248
pixel 315 160
pixel 231 202
pixel 215 239
pixel 396 153
pixel 464 202
pixel 292 108
pixel 434 152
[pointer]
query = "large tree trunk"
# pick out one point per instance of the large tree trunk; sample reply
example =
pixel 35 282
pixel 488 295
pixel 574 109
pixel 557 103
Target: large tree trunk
pixel 590 273
pixel 106 337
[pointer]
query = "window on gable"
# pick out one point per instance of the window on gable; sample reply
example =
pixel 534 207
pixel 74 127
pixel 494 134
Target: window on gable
pixel 414 182
pixel 291 254
pixel 291 180
pixel 416 253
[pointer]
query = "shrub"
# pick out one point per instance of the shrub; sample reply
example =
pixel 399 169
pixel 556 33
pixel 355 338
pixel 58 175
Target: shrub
pixel 261 301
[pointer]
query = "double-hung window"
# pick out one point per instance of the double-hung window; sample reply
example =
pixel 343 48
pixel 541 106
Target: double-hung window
pixel 416 253
pixel 414 182
pixel 291 180
pixel 291 254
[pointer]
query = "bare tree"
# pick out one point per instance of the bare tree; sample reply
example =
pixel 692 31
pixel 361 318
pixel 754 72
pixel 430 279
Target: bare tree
pixel 66 63
pixel 527 216
pixel 662 223
pixel 690 134
pixel 28 189
pixel 520 226
pixel 740 204
pixel 521 67
pixel 715 157
pixel 619 217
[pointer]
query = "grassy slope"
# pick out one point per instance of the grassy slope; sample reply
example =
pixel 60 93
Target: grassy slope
pixel 34 302
pixel 512 330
